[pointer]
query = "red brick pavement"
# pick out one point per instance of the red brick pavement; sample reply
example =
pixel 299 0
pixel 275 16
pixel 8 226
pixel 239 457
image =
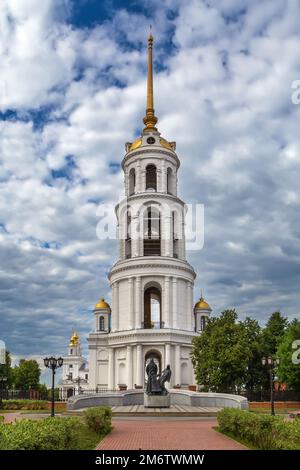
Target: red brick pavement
pixel 167 435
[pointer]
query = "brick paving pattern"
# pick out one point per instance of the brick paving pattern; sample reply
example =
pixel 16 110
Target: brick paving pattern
pixel 167 435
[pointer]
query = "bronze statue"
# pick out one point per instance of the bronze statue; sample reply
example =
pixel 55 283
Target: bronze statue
pixel 155 383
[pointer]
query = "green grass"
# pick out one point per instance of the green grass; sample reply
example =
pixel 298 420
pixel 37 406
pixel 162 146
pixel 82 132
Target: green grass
pixel 237 439
pixel 88 439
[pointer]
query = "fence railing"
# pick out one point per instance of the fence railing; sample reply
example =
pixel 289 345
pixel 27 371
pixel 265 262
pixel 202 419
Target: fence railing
pixel 20 395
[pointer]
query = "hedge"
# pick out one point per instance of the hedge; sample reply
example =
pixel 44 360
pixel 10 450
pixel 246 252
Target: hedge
pixel 98 419
pixel 24 405
pixel 54 433
pixel 262 431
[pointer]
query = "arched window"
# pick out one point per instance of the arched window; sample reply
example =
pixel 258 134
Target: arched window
pixel 202 323
pixel 156 356
pixel 131 181
pixel 152 308
pixel 174 234
pixel 169 181
pixel 151 232
pixel 128 238
pixel 101 323
pixel 151 177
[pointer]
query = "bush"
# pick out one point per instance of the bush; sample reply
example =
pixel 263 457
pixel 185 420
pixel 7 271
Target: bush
pixel 98 419
pixel 262 431
pixel 24 405
pixel 45 434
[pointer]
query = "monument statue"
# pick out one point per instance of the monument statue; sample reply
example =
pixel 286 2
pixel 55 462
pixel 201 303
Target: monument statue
pixel 156 383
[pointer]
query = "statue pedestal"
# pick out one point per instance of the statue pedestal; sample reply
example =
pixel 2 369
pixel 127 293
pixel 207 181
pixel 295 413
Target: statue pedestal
pixel 157 401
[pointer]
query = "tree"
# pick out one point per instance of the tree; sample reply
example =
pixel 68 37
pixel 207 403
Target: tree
pixel 6 371
pixel 273 333
pixel 221 354
pixel 27 375
pixel 256 374
pixel 289 371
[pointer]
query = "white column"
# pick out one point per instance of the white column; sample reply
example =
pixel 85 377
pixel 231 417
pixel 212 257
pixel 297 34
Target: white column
pixel 139 366
pixel 115 312
pixel 129 367
pixel 138 180
pixel 174 304
pixel 163 177
pixel 130 304
pixel 177 365
pixel 167 354
pixel 135 236
pixel 166 316
pixel 189 292
pixel 111 369
pixel 126 181
pixel 138 302
pixel 143 179
pixel 167 234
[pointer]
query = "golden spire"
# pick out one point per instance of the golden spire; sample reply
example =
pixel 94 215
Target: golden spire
pixel 150 119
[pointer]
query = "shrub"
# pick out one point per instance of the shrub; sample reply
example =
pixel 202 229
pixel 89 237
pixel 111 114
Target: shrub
pixel 263 431
pixel 45 434
pixel 24 405
pixel 98 419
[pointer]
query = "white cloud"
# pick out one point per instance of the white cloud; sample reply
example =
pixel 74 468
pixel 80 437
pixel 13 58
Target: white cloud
pixel 223 95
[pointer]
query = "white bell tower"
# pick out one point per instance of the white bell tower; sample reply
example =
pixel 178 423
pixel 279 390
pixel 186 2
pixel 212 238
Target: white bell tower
pixel 152 283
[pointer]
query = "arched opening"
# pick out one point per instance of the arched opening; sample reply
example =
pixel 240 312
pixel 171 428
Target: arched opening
pixel 101 323
pixel 175 234
pixel 131 181
pixel 170 189
pixel 202 323
pixel 152 231
pixel 152 308
pixel 128 237
pixel 151 177
pixel 70 392
pixel 156 356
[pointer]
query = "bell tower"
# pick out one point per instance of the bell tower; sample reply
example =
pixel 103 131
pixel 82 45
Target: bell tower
pixel 152 314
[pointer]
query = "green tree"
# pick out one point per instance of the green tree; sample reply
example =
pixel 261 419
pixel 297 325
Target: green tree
pixel 27 375
pixel 221 354
pixel 289 372
pixel 7 371
pixel 256 374
pixel 273 333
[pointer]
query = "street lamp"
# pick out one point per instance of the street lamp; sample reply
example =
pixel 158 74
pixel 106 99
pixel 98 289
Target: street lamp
pixel 271 364
pixel 53 364
pixel 2 380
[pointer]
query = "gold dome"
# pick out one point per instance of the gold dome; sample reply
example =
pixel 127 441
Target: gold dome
pixel 202 304
pixel 166 144
pixel 135 145
pixel 74 339
pixel 101 304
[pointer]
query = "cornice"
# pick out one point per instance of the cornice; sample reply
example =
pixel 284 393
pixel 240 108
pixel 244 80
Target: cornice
pixel 127 267
pixel 153 151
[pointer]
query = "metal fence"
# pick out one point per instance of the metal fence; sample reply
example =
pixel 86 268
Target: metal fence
pixel 20 395
pixel 264 395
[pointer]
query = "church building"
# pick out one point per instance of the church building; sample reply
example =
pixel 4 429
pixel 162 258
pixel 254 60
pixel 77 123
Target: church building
pixel 152 313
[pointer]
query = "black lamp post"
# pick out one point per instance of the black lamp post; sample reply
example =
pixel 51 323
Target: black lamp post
pixel 53 364
pixel 271 364
pixel 2 380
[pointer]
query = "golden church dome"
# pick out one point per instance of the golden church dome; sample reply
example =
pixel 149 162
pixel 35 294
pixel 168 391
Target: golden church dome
pixel 101 304
pixel 202 304
pixel 74 339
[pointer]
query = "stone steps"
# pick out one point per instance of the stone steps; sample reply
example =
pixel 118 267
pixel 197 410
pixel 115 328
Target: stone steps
pixel 173 411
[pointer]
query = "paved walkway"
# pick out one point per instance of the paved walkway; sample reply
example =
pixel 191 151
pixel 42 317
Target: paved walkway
pixel 167 434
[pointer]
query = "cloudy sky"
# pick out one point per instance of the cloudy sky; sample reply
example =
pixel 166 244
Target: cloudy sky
pixel 72 92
